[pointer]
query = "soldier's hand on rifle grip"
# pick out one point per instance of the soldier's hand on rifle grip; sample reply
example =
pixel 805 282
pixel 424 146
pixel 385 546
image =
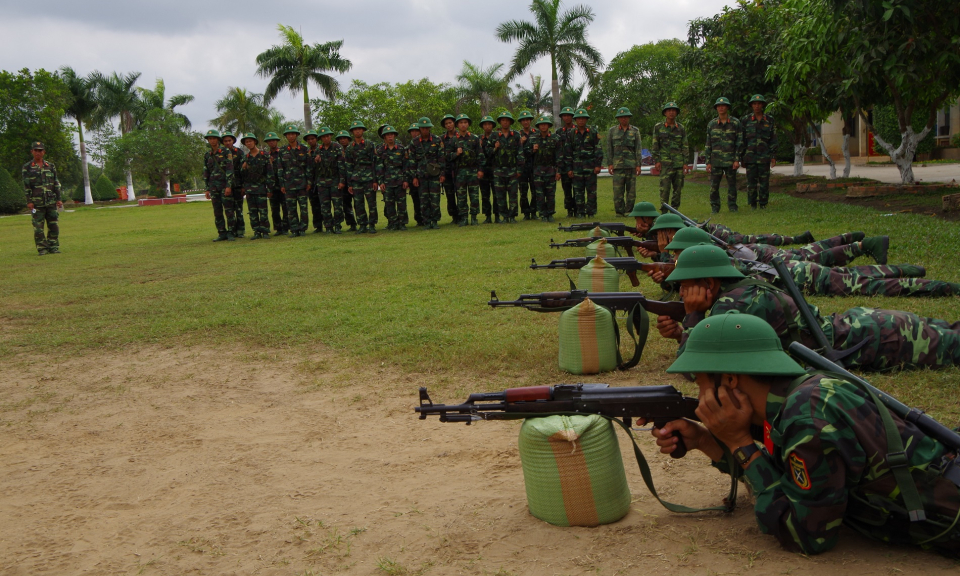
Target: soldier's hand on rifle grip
pixel 646 253
pixel 669 328
pixel 657 275
pixel 678 437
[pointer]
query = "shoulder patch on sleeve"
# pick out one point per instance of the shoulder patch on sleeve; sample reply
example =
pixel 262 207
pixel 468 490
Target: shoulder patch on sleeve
pixel 798 469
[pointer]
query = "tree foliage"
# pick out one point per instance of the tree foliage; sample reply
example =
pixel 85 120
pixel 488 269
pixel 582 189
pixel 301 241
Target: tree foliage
pixel 12 198
pixel 156 99
pixel 537 97
pixel 241 111
pixel 482 87
pixel 160 149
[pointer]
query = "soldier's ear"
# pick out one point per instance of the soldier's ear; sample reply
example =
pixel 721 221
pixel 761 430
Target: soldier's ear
pixel 731 381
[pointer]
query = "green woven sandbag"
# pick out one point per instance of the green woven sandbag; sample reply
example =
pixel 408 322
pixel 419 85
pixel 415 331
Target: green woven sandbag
pixel 601 248
pixel 598 276
pixel 573 471
pixel 599 232
pixel 588 343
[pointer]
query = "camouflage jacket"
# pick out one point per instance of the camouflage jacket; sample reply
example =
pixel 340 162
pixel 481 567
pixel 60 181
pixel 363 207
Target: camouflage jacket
pixel 472 158
pixel 411 160
pixel 527 147
pixel 486 145
pixel 218 169
pixel 312 163
pixel 549 153
pixel 759 139
pixel 274 167
pixel 583 150
pixel 429 157
pixel 670 146
pixel 361 160
pixel 509 155
pixel 724 142
pixel 40 183
pixel 327 163
pixel 237 163
pixel 448 140
pixel 623 148
pixel 257 174
pixel 826 462
pixel 391 165
pixel 294 168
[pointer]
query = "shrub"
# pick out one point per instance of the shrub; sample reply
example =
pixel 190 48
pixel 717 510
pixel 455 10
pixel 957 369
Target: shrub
pixel 955 141
pixel 12 198
pixel 104 190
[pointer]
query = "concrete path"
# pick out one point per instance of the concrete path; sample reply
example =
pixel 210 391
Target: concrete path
pixel 888 174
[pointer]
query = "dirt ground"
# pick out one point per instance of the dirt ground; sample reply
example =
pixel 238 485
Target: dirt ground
pixel 205 461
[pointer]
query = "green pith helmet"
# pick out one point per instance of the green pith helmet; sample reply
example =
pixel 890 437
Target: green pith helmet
pixel 424 123
pixel 413 128
pixel 721 100
pixel 271 136
pixel 249 135
pixel 214 134
pixel 581 113
pixel 668 222
pixel 344 134
pixel 644 210
pixel 623 111
pixel 311 133
pixel 464 117
pixel 687 238
pixel 670 106
pixel 758 98
pixel 703 261
pixel 544 119
pixel 291 129
pixel 228 133
pixel 387 129
pixel 506 114
pixel 567 110
pixel 357 124
pixel 324 131
pixel 448 117
pixel 735 343
pixel 525 115
pixel 488 119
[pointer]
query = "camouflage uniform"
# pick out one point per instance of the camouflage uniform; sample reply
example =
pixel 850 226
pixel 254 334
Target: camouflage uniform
pixel 42 187
pixel 671 150
pixel 583 156
pixel 294 173
pixel 258 180
pixel 411 174
pixel 465 169
pixel 547 162
pixel 865 280
pixel 566 182
pixel 330 184
pixel 508 161
pixel 238 192
pixel 278 203
pixel 624 152
pixel 313 194
pixel 361 160
pixel 345 195
pixel 527 193
pixel 835 251
pixel 724 141
pixel 449 184
pixel 392 173
pixel 758 148
pixel 217 176
pixel 730 237
pixel 488 200
pixel 430 163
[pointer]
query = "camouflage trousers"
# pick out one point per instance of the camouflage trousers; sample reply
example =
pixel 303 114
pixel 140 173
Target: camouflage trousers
pixel 449 186
pixel 297 199
pixel 365 203
pixel 415 200
pixel 716 176
pixel 278 204
pixel 528 195
pixel 224 215
pixel 257 206
pixel 585 191
pixel 505 184
pixel 896 339
pixel 545 188
pixel 395 206
pixel 468 188
pixel 671 179
pixel 331 203
pixel 835 251
pixel 566 182
pixel 625 189
pixel 316 207
pixel 731 237
pixel 430 199
pixel 49 215
pixel 866 280
pixel 240 228
pixel 488 203
pixel 758 183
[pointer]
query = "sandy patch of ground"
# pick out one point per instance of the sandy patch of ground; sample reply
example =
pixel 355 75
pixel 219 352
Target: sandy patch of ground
pixel 204 461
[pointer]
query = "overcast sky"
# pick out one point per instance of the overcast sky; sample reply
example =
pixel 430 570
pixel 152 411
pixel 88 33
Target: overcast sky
pixel 202 48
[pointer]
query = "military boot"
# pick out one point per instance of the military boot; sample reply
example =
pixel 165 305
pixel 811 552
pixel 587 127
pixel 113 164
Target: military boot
pixel 337 230
pixel 805 238
pixel 353 227
pixel 877 247
pixel 278 233
pixel 474 221
pixel 550 218
pixel 498 220
pixel 54 250
pixel 362 230
pixel 372 229
pixel 256 236
pixel 220 238
pixel 462 222
pixel 487 220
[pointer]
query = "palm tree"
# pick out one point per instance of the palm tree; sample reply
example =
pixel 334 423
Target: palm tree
pixel 155 99
pixel 293 64
pixel 483 86
pixel 118 98
pixel 82 108
pixel 241 111
pixel 561 36
pixel 572 95
pixel 536 96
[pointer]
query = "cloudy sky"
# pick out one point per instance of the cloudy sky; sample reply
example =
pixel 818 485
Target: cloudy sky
pixel 202 48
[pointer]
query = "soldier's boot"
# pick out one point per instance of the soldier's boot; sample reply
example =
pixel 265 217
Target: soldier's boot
pixel 362 230
pixel 220 238
pixel 550 218
pixel 498 220
pixel 805 238
pixel 256 236
pixel 353 227
pixel 43 251
pixel 474 221
pixel 487 220
pixel 877 247
pixel 461 222
pixel 265 235
pixel 278 233
pixel 53 250
pixel 955 287
pixel 337 230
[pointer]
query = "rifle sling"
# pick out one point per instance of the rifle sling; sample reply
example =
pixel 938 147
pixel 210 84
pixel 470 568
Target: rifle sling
pixel 636 321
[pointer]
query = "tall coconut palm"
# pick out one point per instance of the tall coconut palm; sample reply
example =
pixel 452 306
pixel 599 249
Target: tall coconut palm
pixel 82 108
pixel 536 96
pixel 156 99
pixel 118 98
pixel 561 36
pixel 483 86
pixel 293 64
pixel 242 111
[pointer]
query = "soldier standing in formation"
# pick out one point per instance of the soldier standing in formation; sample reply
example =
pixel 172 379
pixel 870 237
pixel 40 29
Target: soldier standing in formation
pixel 414 132
pixel 343 139
pixel 361 163
pixel 312 137
pixel 624 152
pixel 42 187
pixel 329 182
pixel 507 166
pixel 528 202
pixel 429 158
pixel 670 152
pixel 278 203
pixel 722 152
pixel 547 160
pixel 258 182
pixel 229 140
pixel 392 172
pixel 449 184
pixel 469 163
pixel 584 157
pixel 759 146
pixel 487 199
pixel 294 173
pixel 218 178
pixel 566 180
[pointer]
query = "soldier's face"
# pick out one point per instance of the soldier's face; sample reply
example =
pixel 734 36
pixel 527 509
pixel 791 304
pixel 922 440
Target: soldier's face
pixel 448 125
pixel 390 139
pixel 213 141
pixel 291 137
pixel 463 125
pixel 671 114
pixel 414 133
pixel 566 118
pixel 325 139
pixel 311 140
pixel 624 121
pixel 487 127
pixel 544 128
pixel 722 109
pixel 757 108
pixel 228 141
pixel 581 122
pixel 526 124
pixel 343 141
pixel 357 133
pixel 249 143
pixel 505 124
pixel 424 132
pixel 38 155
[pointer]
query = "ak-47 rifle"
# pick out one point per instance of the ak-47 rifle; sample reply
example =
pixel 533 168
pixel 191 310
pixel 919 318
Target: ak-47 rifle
pixel 738 251
pixel 629 265
pixel 619 241
pixel 618 228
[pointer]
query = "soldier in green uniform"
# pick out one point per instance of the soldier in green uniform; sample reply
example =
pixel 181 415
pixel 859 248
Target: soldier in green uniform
pixel 430 159
pixel 487 200
pixel 392 176
pixel 722 151
pixel 507 166
pixel 449 184
pixel 583 158
pixel 759 146
pixel 624 151
pixel 528 203
pixel 818 450
pixel 229 141
pixel 414 132
pixel 42 187
pixel 312 138
pixel 644 214
pixel 566 181
pixel 218 179
pixel 362 168
pixel 469 163
pixel 258 181
pixel 344 139
pixel 278 202
pixel 546 151
pixel 329 183
pixel 294 173
pixel 670 151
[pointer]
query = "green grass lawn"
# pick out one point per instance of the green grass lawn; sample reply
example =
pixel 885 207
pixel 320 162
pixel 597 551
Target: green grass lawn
pixel 136 276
